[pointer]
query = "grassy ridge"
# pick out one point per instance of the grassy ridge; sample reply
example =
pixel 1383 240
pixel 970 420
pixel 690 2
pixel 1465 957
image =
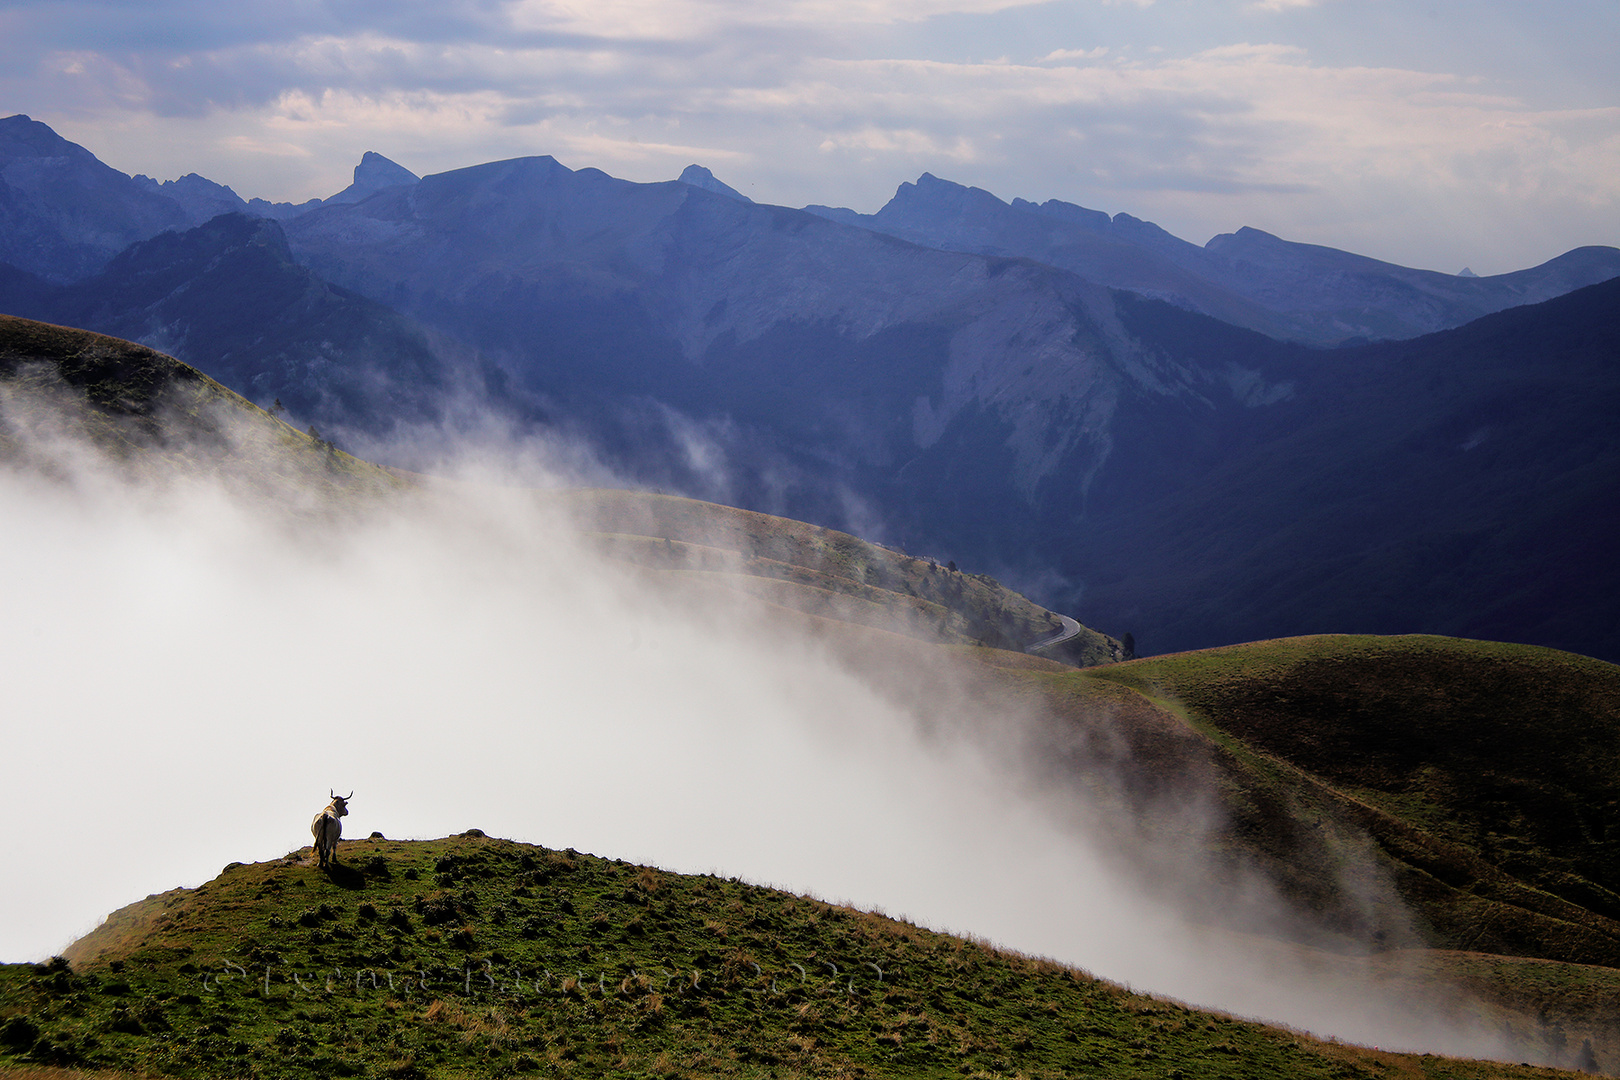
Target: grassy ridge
pixel 1486 772
pixel 480 957
pixel 825 572
pixel 150 412
pixel 1475 778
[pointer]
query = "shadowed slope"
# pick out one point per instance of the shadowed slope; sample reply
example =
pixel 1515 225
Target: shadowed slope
pixel 61 388
pixel 1485 773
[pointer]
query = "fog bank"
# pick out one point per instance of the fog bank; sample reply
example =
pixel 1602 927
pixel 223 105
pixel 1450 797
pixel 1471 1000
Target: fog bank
pixel 190 671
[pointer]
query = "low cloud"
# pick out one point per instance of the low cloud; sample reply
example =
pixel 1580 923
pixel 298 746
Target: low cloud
pixel 1057 55
pixel 194 664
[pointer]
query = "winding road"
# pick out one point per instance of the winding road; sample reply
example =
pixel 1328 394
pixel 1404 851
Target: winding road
pixel 1070 629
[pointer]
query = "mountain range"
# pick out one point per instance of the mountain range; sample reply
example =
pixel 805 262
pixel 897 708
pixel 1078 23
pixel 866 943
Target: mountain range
pixel 1298 292
pixel 1149 434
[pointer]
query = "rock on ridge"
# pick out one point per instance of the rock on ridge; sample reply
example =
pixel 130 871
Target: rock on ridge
pixel 374 174
pixel 698 176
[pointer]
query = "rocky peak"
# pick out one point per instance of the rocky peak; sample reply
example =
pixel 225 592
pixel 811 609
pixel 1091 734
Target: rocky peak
pixel 698 176
pixel 373 174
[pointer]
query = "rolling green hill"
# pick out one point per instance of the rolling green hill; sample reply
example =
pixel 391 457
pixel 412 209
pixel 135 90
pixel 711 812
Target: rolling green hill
pixel 1475 779
pixel 150 413
pixel 1484 772
pixel 471 956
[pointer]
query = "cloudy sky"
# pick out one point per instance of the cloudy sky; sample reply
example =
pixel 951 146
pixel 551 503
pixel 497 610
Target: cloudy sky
pixel 1436 133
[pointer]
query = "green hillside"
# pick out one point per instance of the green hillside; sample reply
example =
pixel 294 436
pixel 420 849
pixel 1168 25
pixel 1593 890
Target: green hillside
pixel 153 415
pixel 1476 778
pixel 471 956
pixel 1485 772
pixel 825 572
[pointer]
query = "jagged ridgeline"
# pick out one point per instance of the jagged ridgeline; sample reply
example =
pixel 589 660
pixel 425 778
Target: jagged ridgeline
pixel 472 956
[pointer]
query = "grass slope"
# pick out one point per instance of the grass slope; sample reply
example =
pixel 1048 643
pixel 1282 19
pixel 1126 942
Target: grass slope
pixel 825 572
pixel 150 412
pixel 471 956
pixel 1486 771
pixel 1477 778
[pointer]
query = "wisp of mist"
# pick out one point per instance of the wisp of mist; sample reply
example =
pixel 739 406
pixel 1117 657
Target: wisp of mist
pixel 190 671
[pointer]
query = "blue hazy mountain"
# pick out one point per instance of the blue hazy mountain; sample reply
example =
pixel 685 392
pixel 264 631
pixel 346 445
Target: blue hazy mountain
pixel 818 352
pixel 63 213
pixel 698 176
pixel 1300 292
pixel 1019 416
pixel 1464 483
pixel 1117 452
pixel 228 298
pixel 374 173
pixel 202 199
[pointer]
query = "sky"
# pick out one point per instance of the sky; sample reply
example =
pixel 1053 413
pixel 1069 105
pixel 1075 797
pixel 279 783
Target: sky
pixel 1432 133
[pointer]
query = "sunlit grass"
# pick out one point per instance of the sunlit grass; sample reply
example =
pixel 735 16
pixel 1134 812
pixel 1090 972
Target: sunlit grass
pixel 480 957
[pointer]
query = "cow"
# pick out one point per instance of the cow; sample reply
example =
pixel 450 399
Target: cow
pixel 327 828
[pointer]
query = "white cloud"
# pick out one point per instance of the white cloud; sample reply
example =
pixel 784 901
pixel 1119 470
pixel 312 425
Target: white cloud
pixel 880 141
pixel 1075 54
pixel 632 20
pixel 177 653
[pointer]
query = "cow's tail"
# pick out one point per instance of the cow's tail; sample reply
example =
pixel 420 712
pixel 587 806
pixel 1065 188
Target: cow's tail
pixel 323 839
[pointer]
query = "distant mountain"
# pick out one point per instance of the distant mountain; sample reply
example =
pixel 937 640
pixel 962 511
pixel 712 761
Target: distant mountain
pixel 1292 291
pixel 228 298
pixel 698 176
pixel 374 173
pixel 63 214
pixel 1300 292
pixel 940 214
pixel 816 353
pixel 1018 417
pixel 1123 457
pixel 199 197
pixel 1465 483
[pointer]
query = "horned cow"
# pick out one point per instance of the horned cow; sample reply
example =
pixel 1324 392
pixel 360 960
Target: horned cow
pixel 326 828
